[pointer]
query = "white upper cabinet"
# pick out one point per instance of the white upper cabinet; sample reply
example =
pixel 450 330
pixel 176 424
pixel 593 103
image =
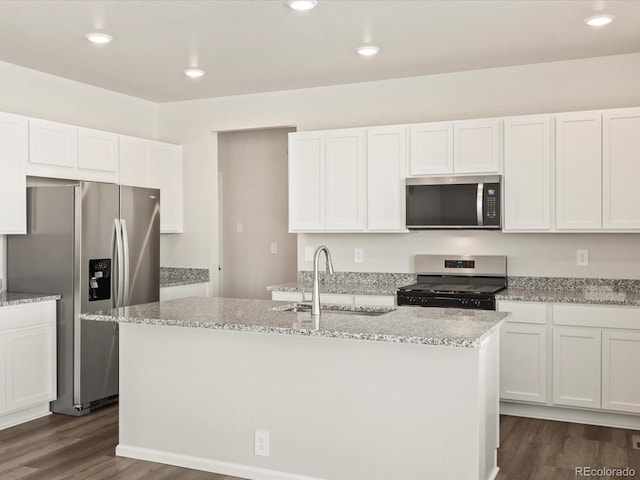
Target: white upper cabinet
pixel 527 173
pixel 165 173
pixel 349 180
pixel 58 150
pixel 345 180
pixel 53 149
pixel 443 148
pixel 13 158
pixel 327 181
pixel 133 169
pixel 149 164
pixel 621 169
pixel 306 181
pixel 97 155
pixel 476 146
pixel 578 171
pixel 431 148
pixel 386 172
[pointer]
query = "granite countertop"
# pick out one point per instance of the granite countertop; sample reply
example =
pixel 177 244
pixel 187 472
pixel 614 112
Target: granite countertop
pixel 177 276
pixel 427 326
pixel 14 298
pixel 347 288
pixel 570 296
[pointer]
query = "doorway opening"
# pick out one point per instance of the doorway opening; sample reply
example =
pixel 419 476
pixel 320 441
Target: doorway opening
pixel 256 249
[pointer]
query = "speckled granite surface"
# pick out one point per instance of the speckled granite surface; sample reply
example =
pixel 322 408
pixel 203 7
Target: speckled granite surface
pixel 350 283
pixel 572 290
pixel 427 326
pixel 12 298
pixel 175 276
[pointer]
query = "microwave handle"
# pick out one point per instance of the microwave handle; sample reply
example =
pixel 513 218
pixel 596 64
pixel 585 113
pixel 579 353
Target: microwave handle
pixel 479 209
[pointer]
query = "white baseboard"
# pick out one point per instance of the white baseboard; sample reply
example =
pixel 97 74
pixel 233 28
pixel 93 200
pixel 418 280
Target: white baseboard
pixel 21 416
pixel 206 464
pixel 574 415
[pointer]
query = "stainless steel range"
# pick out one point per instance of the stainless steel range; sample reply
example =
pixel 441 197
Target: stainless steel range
pixel 456 281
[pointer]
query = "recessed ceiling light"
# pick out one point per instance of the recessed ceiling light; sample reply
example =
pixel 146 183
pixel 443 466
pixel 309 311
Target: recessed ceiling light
pixel 599 20
pixel 194 72
pixel 302 4
pixel 98 37
pixel 368 50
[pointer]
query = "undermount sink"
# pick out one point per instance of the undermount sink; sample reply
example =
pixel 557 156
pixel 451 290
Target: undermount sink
pixel 339 309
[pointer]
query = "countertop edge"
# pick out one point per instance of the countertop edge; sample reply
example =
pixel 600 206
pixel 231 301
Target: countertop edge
pixel 7 300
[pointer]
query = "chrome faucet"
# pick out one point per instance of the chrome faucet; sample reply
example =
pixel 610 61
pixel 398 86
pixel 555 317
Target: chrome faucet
pixel 315 298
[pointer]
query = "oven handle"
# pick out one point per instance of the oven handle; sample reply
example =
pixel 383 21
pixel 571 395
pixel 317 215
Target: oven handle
pixel 479 209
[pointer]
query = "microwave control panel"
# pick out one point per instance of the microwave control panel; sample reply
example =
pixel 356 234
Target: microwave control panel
pixel 491 204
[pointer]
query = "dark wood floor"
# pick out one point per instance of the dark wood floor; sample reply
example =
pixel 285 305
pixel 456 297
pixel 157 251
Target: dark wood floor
pixel 59 447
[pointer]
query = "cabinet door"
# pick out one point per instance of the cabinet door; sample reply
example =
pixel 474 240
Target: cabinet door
pixel 476 146
pixel 579 171
pixel 13 155
pixel 306 181
pixel 3 372
pixel 165 173
pixel 431 150
pixel 53 149
pixel 527 173
pixel 97 155
pixel 386 172
pixel 523 352
pixel 523 362
pixel 30 366
pixel 133 159
pixel 577 367
pixel 345 180
pixel 621 169
pixel 620 358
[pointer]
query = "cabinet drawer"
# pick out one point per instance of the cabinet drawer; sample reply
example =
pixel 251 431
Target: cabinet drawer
pixel 603 316
pixel 26 315
pixel 375 300
pixel 524 312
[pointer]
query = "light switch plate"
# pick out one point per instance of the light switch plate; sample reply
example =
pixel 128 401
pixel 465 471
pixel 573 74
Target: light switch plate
pixel 308 254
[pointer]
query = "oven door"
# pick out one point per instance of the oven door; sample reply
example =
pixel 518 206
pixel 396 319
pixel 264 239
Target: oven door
pixel 453 202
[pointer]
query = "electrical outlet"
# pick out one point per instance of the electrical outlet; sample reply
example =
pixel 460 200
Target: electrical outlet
pixel 308 254
pixel 239 227
pixel 261 443
pixel 582 257
pixel 274 248
pixel 358 255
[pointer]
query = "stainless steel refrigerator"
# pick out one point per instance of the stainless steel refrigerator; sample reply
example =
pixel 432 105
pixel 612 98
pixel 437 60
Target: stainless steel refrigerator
pixel 98 246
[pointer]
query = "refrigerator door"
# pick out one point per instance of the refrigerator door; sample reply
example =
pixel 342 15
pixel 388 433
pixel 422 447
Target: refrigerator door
pixel 140 219
pixel 96 343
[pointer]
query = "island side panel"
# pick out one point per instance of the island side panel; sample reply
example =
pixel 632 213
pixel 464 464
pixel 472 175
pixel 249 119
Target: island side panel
pixel 334 409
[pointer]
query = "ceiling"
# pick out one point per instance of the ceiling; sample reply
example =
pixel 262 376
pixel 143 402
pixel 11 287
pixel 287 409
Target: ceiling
pixel 250 46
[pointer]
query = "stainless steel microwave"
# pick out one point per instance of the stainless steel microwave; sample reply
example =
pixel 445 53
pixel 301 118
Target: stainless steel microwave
pixel 453 202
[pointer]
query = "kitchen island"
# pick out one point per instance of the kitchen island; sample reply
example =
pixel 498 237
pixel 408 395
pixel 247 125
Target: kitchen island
pixel 409 394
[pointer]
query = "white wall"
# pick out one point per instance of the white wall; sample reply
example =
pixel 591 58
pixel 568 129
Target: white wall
pixel 603 82
pixel 253 166
pixel 36 94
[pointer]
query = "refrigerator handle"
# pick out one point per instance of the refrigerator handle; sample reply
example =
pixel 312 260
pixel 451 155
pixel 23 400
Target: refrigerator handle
pixel 125 243
pixel 119 270
pixel 114 259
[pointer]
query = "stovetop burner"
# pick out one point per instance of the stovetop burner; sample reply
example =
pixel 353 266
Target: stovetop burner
pixel 456 281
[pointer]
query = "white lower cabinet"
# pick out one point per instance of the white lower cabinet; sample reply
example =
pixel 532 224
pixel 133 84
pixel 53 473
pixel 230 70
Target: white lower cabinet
pixel 184 291
pixel 27 361
pixel 337 298
pixel 620 359
pixel 523 352
pixel 571 355
pixel 576 367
